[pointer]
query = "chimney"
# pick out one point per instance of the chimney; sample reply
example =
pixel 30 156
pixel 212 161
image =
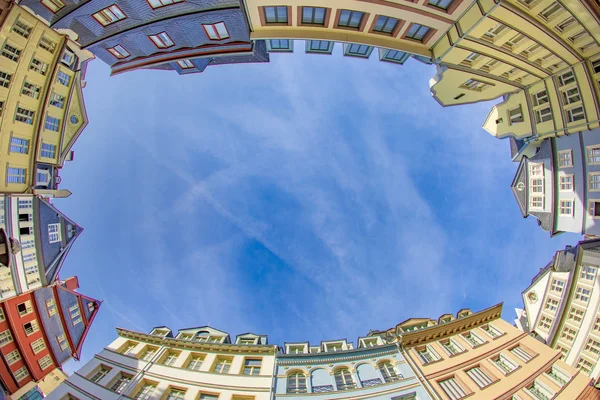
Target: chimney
pixel 72 283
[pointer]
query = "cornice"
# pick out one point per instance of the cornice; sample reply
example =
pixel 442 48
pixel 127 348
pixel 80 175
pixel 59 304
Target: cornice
pixel 348 355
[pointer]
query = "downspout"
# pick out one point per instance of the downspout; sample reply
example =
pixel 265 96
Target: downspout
pixel 272 388
pixel 487 14
pixel 421 377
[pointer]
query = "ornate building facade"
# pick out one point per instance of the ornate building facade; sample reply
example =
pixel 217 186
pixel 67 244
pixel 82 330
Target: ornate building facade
pixel 41 104
pixel 562 306
pixel 470 354
pixel 183 36
pixel 39 331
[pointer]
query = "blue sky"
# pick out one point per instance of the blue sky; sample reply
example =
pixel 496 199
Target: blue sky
pixel 312 198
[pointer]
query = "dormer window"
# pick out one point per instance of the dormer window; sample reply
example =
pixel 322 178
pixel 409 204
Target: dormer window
pixel 370 342
pixel 334 347
pixel 160 332
pixel 186 336
pixel 54 233
pixel 206 337
pixel 248 341
pixel 295 349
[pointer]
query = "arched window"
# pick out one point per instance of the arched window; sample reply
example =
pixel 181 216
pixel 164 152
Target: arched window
pixel 296 382
pixel 368 376
pixel 389 372
pixel 204 336
pixel 343 379
pixel 320 381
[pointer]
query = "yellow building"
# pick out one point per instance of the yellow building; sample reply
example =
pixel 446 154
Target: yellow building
pixel 51 381
pixel 41 105
pixel 480 356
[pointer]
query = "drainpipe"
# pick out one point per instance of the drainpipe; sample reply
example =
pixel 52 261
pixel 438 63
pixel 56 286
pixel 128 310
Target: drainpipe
pixel 272 389
pixel 426 383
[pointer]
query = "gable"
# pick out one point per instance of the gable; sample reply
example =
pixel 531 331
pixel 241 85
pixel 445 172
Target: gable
pixel 75 119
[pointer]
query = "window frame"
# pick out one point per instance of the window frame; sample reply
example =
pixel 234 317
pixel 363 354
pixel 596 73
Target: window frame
pixel 349 25
pixel 276 9
pixel 109 9
pixel 216 31
pixel 119 52
pixel 326 16
pixel 160 40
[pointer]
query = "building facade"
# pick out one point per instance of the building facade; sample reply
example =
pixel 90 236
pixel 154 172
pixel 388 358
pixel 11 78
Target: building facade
pixel 39 331
pixel 41 103
pixel 562 306
pixel 474 355
pixel 37 238
pixel 184 36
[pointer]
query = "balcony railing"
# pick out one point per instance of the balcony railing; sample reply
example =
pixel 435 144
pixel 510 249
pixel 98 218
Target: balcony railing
pixel 322 388
pixel 371 382
pixel 346 386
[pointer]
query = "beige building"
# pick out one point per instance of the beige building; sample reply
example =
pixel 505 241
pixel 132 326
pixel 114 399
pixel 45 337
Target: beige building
pixel 562 306
pixel 480 356
pixel 51 381
pixel 41 103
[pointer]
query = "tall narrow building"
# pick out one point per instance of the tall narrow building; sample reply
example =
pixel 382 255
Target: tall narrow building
pixel 42 112
pixel 41 330
pixel 561 306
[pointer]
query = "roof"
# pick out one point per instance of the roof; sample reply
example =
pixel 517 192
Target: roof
pixel 520 187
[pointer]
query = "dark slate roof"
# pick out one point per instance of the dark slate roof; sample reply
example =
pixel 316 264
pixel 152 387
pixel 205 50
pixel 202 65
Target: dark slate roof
pixel 563 261
pixel 516 146
pixel 520 187
pixel 77 15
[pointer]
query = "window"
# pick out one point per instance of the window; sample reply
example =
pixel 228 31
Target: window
pixel 563 352
pixel 388 372
pixel 566 183
pixel 127 348
pixel 480 378
pixel 5 338
pixel 170 358
pixel 62 342
pixel 566 207
pixel 24 308
pixel 521 353
pixel 57 100
pixel 545 323
pixel 588 272
pixel 10 52
pixel 475 85
pixel 205 396
pixel 565 158
pixel 52 124
pixel 47 45
pixel 21 373
pixel 100 373
pixel 575 314
pixel 343 379
pixel 593 155
pixel 18 145
pixel 385 24
pixel 596 66
pixel 451 347
pixel 63 78
pixel 25 203
pixel 54 233
pixel 252 366
pixel 443 4
pixel 585 366
pixel 162 40
pixel 38 66
pixel 568 334
pixel 571 96
pixel 557 286
pixel 552 305
pixel 515 115
pixel 539 391
pixel 21 28
pixel 473 339
pixel 575 114
pixel 543 115
pixel 216 31
pixel 566 24
pixel 313 15
pixel 146 391
pixel 185 64
pixel 161 3
pixel 276 15
pixel 148 353
pixel 491 330
pixel 593 346
pixel 494 31
pixel 5 79
pixel 417 32
pixel 195 362
pixel 350 19
pixel 67 57
pixel 582 294
pixel 319 46
pixel 566 78
pixel 13 357
pixel 426 354
pixel 24 115
pixel 395 55
pixel 38 345
pixel 45 362
pixel 175 394
pixel 109 15
pixel 31 327
pixel 452 389
pixel 360 50
pixel 280 44
pixel 75 314
pixel 121 383
pixel 504 364
pixel 53 5
pixel 222 365
pixel 118 51
pixel 296 383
